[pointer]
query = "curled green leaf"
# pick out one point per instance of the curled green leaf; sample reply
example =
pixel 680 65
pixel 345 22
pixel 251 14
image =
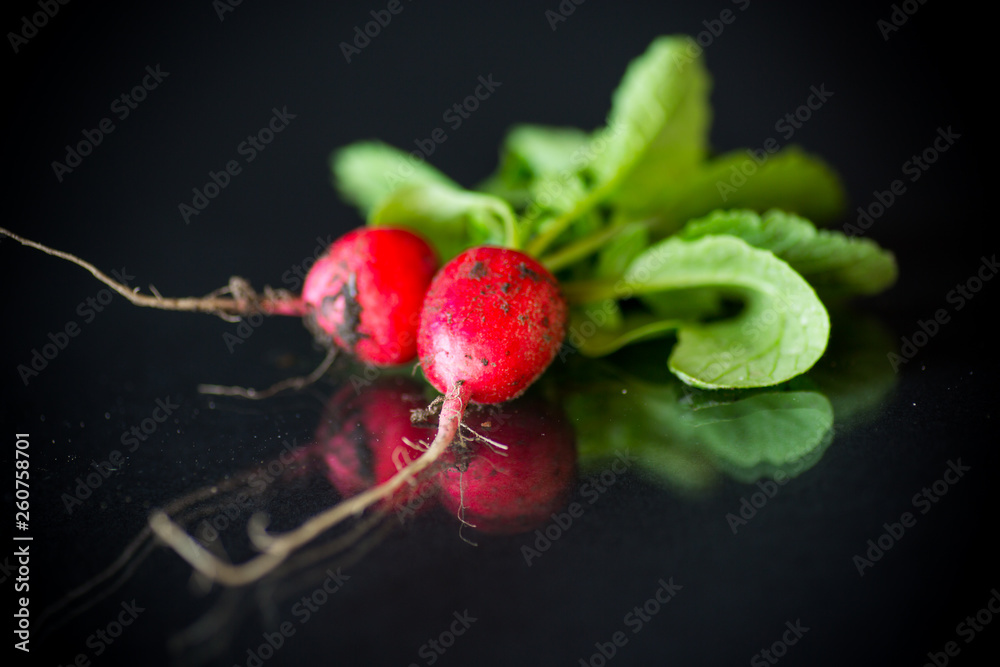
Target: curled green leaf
pixel 779 333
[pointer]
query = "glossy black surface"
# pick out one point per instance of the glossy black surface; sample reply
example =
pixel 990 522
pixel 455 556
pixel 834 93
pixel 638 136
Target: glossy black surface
pixel 793 561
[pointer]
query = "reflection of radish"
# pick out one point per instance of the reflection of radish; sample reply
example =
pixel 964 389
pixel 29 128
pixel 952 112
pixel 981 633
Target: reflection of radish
pixel 493 320
pixel 512 490
pixel 362 438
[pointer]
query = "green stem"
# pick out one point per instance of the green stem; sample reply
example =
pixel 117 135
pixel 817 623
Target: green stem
pixel 541 242
pixel 581 248
pixel 589 291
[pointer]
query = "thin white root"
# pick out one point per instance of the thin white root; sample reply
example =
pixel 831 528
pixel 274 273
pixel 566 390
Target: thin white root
pixel 295 383
pixel 277 548
pixel 489 441
pixel 283 301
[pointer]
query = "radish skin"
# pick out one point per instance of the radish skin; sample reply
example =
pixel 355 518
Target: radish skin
pixel 367 290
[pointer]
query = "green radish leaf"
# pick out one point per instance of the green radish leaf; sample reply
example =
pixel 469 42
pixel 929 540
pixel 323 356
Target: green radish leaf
pixel 790 180
pixel 451 219
pixel 781 331
pixel 829 260
pixel 367 172
pixel 657 129
pixel 532 152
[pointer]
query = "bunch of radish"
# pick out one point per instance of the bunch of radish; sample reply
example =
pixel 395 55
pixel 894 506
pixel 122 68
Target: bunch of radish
pixel 484 327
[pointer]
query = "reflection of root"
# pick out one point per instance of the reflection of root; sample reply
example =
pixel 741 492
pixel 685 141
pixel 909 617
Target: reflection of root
pixel 211 634
pixel 122 569
pixel 277 548
pixel 498 447
pixel 296 383
pixel 461 508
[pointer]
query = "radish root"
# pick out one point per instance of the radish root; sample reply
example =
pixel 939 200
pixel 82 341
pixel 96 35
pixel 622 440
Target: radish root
pixel 277 548
pixel 295 383
pixel 243 301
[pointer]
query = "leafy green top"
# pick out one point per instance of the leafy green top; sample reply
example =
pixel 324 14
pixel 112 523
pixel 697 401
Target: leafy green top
pixel 645 227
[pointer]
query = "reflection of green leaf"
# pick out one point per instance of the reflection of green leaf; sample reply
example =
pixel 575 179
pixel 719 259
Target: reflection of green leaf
pixel 764 433
pixel 679 438
pixel 829 260
pixel 367 172
pixel 780 333
pixel 854 373
pixel 450 218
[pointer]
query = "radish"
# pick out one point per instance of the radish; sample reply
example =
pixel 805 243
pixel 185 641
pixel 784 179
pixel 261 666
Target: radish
pixel 492 321
pixel 517 488
pixel 366 292
pixel 366 438
pixel 363 295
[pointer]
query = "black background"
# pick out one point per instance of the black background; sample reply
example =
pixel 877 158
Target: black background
pixel 119 208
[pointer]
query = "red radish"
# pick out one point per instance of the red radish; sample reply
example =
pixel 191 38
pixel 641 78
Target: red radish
pixel 493 320
pixel 362 439
pixel 366 292
pixel 516 489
